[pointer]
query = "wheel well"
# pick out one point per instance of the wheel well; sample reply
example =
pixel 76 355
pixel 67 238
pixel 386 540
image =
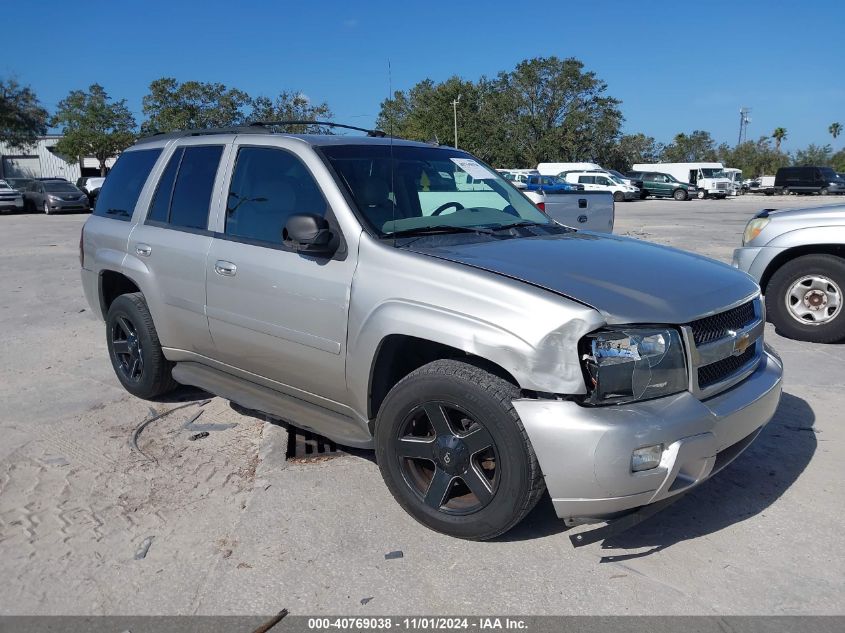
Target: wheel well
pixel 112 285
pixel 399 355
pixel 811 249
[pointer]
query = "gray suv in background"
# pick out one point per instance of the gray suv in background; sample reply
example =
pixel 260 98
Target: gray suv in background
pixel 405 297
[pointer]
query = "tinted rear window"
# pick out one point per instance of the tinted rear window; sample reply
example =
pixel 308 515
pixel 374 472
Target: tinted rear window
pixel 120 191
pixel 192 192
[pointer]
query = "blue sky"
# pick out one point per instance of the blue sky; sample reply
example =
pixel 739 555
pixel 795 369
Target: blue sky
pixel 675 66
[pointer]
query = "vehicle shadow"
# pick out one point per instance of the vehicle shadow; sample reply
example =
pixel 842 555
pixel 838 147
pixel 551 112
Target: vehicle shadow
pixel 745 488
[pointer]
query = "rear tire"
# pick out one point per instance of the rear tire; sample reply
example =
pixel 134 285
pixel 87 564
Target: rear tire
pixel 134 348
pixel 679 195
pixel 784 191
pixel 800 298
pixel 440 476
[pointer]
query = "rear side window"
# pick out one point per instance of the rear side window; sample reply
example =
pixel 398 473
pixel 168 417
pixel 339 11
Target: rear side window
pixel 268 186
pixel 192 191
pixel 587 180
pixel 119 193
pixel 160 206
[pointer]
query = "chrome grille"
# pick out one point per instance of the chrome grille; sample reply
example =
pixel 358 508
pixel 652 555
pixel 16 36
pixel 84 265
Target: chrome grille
pixel 714 327
pixel 715 372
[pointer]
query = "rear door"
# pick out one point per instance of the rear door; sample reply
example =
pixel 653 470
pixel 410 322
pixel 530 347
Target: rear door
pixel 172 243
pixel 273 312
pixel 589 183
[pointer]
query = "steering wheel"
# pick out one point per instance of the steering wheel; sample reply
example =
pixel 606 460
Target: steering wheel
pixel 458 207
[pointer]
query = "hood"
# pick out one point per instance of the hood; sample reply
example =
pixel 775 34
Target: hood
pixel 818 216
pixel 627 280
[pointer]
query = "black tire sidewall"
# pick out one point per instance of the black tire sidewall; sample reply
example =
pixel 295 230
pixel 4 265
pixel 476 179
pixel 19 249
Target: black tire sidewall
pixel 826 265
pixel 503 511
pixel 680 195
pixel 153 357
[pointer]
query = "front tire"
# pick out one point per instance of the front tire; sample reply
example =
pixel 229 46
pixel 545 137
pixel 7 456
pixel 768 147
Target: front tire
pixel 618 196
pixel 453 452
pixel 134 348
pixel 824 191
pixel 680 195
pixel 804 299
pixel 701 195
pixel 47 208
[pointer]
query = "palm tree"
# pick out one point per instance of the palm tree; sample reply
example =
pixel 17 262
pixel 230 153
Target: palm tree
pixel 779 135
pixel 835 129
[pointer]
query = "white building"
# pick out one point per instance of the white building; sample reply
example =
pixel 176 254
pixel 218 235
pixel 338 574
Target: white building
pixel 41 161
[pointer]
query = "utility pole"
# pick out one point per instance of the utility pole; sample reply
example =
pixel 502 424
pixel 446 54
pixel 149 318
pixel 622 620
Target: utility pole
pixel 455 110
pixel 744 120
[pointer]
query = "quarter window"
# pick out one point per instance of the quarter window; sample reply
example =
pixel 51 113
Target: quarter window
pixel 120 191
pixel 268 186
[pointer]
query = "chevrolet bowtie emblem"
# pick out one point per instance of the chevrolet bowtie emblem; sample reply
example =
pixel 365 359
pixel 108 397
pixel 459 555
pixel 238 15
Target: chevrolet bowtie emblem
pixel 741 344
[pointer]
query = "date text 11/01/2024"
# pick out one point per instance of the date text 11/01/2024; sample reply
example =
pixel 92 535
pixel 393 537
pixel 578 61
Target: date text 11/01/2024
pixel 421 623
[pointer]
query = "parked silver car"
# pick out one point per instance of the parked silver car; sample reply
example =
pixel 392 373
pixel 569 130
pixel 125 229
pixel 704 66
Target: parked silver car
pixel 360 288
pixel 798 258
pixel 54 196
pixel 10 199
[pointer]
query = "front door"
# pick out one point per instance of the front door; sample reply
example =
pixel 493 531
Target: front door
pixel 273 312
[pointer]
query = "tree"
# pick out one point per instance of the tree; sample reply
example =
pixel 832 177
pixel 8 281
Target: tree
pixel 835 129
pixel 753 158
pixel 22 119
pixel 688 148
pixel 546 109
pixel 171 106
pixel 779 135
pixel 93 125
pixel 632 149
pixel 820 155
pixel 291 106
pixel 837 161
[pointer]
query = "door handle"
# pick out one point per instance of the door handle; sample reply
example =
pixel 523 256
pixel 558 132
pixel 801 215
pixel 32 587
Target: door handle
pixel 143 250
pixel 227 269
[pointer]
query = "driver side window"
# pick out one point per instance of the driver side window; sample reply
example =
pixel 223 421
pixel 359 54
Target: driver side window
pixel 268 186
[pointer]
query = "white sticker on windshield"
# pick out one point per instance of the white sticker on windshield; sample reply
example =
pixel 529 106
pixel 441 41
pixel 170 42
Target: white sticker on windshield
pixel 478 172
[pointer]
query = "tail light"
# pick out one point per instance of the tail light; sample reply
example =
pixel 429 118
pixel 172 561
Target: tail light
pixel 541 206
pixel 81 251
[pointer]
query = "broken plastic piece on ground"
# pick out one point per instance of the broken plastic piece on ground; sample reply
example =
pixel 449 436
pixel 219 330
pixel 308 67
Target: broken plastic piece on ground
pixel 142 550
pixel 198 436
pixel 391 555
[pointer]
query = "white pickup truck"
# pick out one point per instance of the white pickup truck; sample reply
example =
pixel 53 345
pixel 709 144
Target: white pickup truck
pixel 586 210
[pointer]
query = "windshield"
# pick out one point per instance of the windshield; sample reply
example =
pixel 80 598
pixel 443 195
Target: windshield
pixel 427 187
pixel 618 181
pixel 64 187
pixel 711 172
pixel 828 172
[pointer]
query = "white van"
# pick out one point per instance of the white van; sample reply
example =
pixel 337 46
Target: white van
pixel 555 169
pixel 735 176
pixel 603 181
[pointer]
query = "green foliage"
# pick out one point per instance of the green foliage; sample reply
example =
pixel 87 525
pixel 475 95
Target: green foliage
pixel 819 155
pixel 837 161
pixel 779 134
pixel 835 129
pixel 291 106
pixel 688 148
pixel 753 158
pixel 171 106
pixel 22 119
pixel 546 109
pixel 632 149
pixel 93 125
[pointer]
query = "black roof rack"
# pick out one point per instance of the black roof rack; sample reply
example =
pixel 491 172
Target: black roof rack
pixel 375 133
pixel 253 127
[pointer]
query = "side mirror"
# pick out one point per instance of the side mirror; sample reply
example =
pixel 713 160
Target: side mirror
pixel 309 233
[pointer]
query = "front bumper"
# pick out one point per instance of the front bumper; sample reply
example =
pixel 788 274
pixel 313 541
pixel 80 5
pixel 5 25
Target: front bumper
pixel 11 205
pixel 69 205
pixel 632 195
pixel 585 452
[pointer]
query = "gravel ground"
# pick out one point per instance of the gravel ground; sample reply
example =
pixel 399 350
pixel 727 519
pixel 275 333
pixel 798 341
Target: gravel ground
pixel 90 524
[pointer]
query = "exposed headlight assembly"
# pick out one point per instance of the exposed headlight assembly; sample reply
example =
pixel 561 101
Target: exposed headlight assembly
pixel 630 364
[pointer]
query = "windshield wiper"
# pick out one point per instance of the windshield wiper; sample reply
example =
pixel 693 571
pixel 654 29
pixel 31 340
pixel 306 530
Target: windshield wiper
pixel 518 224
pixel 438 229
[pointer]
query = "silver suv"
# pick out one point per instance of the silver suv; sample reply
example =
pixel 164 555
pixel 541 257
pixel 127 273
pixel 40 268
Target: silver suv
pixel 405 297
